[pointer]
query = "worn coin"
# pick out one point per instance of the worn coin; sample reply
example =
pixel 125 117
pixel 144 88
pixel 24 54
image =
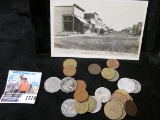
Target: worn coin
pixel 68 84
pixel 81 108
pixel 108 73
pixel 69 70
pixel 92 104
pixel 123 111
pixel 118 97
pixel 70 61
pixel 94 69
pixel 99 105
pixel 113 110
pixel 130 108
pixel 126 84
pixel 67 108
pixel 112 63
pixel 137 86
pixel 80 95
pixel 103 94
pixel 52 84
pixel 116 77
pixel 81 85
pixel 125 93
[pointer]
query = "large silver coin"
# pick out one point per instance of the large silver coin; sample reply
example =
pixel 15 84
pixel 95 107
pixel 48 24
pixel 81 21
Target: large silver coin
pixel 103 94
pixel 116 77
pixel 99 105
pixel 126 84
pixel 52 84
pixel 137 86
pixel 67 108
pixel 68 84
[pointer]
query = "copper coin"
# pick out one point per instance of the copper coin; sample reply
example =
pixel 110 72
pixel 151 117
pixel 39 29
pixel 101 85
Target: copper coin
pixel 80 95
pixel 125 93
pixel 81 85
pixel 69 70
pixel 94 69
pixel 112 63
pixel 130 108
pixel 81 108
pixel 118 97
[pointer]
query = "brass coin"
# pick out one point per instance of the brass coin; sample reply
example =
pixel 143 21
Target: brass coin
pixel 69 70
pixel 125 93
pixel 131 108
pixel 92 104
pixel 112 63
pixel 80 95
pixel 118 97
pixel 81 108
pixel 123 113
pixel 70 62
pixel 113 110
pixel 108 73
pixel 81 85
pixel 94 69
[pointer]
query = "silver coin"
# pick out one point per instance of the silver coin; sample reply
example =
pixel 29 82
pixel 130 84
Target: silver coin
pixel 116 77
pixel 99 105
pixel 67 108
pixel 137 86
pixel 126 84
pixel 103 94
pixel 52 84
pixel 68 84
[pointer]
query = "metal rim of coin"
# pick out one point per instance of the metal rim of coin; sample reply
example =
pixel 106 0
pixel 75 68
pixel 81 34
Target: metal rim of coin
pixel 67 108
pixel 92 104
pixel 52 84
pixel 69 70
pixel 118 97
pixel 112 63
pixel 70 61
pixel 126 84
pixel 137 86
pixel 116 77
pixel 108 73
pixel 81 85
pixel 81 108
pixel 94 69
pixel 123 111
pixel 68 84
pixel 103 94
pixel 113 110
pixel 80 95
pixel 130 108
pixel 99 105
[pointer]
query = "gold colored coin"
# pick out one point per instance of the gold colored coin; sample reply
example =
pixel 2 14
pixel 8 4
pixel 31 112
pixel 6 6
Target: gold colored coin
pixel 123 113
pixel 70 62
pixel 92 104
pixel 81 108
pixel 108 73
pixel 125 93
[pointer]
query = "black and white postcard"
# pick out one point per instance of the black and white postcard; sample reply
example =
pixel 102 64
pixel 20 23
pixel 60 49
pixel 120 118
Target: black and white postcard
pixel 97 28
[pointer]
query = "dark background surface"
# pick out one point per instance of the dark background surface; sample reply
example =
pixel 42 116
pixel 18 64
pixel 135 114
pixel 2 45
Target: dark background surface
pixel 25 45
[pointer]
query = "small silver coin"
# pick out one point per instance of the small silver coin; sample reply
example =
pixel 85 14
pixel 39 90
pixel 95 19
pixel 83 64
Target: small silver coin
pixel 52 84
pixel 126 84
pixel 99 105
pixel 137 86
pixel 67 108
pixel 68 84
pixel 103 94
pixel 116 77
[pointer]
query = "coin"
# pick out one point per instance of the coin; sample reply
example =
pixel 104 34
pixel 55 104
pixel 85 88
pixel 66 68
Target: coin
pixel 123 111
pixel 108 73
pixel 99 105
pixel 52 84
pixel 81 108
pixel 137 86
pixel 116 77
pixel 80 95
pixel 68 84
pixel 92 104
pixel 112 63
pixel 69 70
pixel 94 69
pixel 81 85
pixel 103 94
pixel 125 93
pixel 70 62
pixel 130 108
pixel 113 110
pixel 126 84
pixel 67 108
pixel 118 97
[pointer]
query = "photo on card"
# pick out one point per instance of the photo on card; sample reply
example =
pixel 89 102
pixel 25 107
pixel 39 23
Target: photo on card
pixel 97 28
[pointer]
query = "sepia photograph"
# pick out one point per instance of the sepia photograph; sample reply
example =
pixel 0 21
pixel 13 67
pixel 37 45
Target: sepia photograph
pixel 97 28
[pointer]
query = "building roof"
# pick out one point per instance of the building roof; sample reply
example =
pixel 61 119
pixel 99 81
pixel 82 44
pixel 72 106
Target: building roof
pixel 92 13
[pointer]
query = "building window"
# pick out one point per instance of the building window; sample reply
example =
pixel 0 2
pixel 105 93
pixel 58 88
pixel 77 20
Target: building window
pixel 68 23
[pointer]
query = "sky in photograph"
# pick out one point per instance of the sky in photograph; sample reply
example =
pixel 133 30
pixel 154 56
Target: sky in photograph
pixel 116 14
